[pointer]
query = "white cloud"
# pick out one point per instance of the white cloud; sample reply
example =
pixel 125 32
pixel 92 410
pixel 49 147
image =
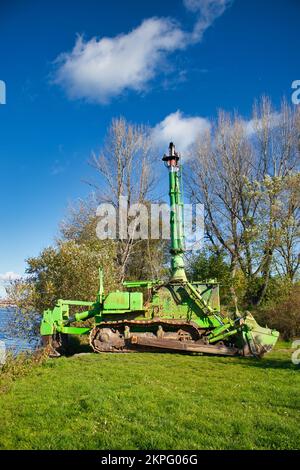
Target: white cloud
pixel 253 125
pixel 208 11
pixel 97 70
pixel 183 131
pixel 9 276
pixel 100 69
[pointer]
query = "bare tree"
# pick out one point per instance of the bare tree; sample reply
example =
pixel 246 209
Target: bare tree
pixel 125 167
pixel 277 150
pixel 287 256
pixel 240 173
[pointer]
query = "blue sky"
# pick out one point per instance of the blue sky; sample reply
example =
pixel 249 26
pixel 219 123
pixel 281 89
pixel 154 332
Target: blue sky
pixel 171 65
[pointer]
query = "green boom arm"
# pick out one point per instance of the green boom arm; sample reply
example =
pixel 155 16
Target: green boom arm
pixel 58 319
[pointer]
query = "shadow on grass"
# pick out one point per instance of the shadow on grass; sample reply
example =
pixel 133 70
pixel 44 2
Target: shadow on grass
pixel 272 363
pixel 76 346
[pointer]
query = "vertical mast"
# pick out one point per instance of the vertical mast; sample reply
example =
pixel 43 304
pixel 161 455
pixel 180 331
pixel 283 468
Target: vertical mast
pixel 176 216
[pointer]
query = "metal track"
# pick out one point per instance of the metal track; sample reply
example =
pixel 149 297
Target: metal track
pixel 110 336
pixel 189 346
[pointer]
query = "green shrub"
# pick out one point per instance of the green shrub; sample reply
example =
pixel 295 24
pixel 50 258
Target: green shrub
pixel 19 366
pixel 283 315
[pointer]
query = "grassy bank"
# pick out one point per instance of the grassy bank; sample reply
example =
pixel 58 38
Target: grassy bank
pixel 151 401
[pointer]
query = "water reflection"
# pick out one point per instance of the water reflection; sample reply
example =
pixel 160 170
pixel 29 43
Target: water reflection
pixel 14 343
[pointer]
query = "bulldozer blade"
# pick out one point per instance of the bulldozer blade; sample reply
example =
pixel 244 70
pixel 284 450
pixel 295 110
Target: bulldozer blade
pixel 55 345
pixel 183 346
pixel 257 339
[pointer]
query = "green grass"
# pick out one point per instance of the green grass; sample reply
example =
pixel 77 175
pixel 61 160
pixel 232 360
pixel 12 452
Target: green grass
pixel 154 401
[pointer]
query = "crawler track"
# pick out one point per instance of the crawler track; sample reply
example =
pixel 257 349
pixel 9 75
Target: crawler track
pixel 162 335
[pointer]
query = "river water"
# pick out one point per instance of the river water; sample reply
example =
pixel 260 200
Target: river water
pixel 12 342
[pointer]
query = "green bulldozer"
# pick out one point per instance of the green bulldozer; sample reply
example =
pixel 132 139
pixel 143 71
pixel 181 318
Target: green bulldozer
pixel 153 315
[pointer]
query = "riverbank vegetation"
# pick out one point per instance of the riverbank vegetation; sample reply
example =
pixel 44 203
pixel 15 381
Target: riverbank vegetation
pixel 20 365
